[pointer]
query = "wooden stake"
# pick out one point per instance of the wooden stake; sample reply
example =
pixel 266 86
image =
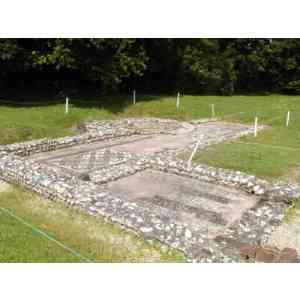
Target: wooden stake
pixel 212 110
pixel 287 119
pixel 178 101
pixel 67 105
pixel 255 127
pixel 193 153
pixel 134 100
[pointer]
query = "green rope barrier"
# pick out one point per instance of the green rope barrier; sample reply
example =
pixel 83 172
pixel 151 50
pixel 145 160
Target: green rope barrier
pixel 46 235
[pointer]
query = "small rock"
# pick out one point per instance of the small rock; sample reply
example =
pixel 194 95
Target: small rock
pixel 258 190
pixel 146 229
pixel 188 234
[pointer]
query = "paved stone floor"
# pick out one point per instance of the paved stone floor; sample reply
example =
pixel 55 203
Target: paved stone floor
pixel 200 204
pixel 207 208
pixel 177 139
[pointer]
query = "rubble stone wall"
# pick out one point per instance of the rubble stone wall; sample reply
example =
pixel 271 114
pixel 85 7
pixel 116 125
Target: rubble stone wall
pixel 52 183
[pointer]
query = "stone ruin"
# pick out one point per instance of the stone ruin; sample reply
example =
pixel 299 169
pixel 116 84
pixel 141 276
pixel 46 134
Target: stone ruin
pixel 128 172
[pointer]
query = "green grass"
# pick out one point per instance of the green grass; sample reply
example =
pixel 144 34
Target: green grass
pixel 273 154
pixel 92 237
pixel 20 123
pixel 262 161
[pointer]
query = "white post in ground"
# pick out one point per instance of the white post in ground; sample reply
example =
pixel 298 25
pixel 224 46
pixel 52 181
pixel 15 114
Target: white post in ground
pixel 193 153
pixel 213 111
pixel 67 105
pixel 134 99
pixel 255 127
pixel 287 119
pixel 178 101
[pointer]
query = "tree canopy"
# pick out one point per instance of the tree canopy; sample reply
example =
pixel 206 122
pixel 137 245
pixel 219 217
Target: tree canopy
pixel 210 66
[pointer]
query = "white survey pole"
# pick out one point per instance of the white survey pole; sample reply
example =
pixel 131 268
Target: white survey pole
pixel 178 101
pixel 213 111
pixel 255 127
pixel 193 153
pixel 67 105
pixel 287 119
pixel 134 99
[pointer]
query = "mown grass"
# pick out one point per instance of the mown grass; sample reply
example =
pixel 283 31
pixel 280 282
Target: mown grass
pixel 19 123
pixel 273 154
pixel 91 237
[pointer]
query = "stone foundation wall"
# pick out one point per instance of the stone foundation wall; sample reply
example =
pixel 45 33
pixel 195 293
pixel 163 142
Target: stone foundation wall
pixel 53 183
pixel 279 191
pixel 104 130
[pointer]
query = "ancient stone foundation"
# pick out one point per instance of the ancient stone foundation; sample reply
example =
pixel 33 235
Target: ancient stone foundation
pixel 127 172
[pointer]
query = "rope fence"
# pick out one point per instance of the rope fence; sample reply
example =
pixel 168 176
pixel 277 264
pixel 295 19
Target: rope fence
pixel 72 251
pixel 45 234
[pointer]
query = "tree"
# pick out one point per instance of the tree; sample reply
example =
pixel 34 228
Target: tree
pixel 215 66
pixel 210 66
pixel 107 61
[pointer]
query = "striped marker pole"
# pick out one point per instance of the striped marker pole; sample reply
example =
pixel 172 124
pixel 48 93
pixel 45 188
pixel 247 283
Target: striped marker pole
pixel 287 119
pixel 67 105
pixel 255 127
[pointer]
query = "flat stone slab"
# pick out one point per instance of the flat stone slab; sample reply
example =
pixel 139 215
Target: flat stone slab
pixel 207 133
pixel 178 139
pixel 81 149
pixel 88 161
pixel 209 206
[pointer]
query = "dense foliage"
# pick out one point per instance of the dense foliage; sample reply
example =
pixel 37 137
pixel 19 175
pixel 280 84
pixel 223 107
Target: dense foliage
pixel 211 66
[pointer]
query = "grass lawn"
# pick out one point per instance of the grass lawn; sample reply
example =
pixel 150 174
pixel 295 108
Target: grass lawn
pixel 78 237
pixel 274 154
pixel 19 123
